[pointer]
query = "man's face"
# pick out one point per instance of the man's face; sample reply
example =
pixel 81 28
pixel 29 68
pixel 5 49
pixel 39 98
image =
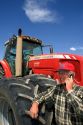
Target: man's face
pixel 63 74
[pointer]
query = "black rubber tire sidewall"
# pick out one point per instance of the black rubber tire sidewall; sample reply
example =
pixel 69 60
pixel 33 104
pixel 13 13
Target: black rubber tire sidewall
pixel 9 91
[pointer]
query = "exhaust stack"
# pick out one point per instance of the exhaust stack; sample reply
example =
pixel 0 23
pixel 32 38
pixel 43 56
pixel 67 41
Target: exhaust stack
pixel 18 62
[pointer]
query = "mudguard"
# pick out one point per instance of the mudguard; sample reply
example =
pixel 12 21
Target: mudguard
pixel 6 68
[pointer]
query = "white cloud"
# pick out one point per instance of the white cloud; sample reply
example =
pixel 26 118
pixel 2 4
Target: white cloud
pixel 37 11
pixel 76 48
pixel 73 49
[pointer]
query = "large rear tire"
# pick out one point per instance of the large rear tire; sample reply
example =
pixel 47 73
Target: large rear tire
pixel 16 95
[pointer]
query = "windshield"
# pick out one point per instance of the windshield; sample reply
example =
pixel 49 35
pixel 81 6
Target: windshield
pixel 31 48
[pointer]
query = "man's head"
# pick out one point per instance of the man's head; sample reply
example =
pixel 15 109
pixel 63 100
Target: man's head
pixel 66 70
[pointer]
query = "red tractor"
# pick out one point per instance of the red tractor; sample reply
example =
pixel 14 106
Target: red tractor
pixel 24 72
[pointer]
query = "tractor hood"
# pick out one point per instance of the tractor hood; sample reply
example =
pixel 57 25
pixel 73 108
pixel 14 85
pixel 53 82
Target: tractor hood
pixel 49 63
pixel 49 60
pixel 45 64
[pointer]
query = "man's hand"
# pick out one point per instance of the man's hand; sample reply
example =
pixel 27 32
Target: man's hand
pixel 34 110
pixel 69 83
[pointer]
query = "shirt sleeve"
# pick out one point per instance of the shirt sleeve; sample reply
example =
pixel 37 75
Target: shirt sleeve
pixel 45 96
pixel 76 99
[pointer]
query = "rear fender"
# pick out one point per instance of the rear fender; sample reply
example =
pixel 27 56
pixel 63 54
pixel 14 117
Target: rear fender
pixel 6 68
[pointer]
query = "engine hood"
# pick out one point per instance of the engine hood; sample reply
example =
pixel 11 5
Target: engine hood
pixel 44 61
pixel 49 60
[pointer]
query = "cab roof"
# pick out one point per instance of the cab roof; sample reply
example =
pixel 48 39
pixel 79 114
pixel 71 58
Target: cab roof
pixel 32 39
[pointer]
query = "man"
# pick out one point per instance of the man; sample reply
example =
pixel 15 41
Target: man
pixel 67 98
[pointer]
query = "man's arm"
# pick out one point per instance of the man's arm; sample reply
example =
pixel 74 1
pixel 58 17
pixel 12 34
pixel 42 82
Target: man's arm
pixel 45 96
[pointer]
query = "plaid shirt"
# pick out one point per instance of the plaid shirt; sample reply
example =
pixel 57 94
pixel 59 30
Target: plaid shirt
pixel 68 106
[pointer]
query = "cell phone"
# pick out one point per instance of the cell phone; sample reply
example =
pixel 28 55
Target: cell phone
pixel 71 75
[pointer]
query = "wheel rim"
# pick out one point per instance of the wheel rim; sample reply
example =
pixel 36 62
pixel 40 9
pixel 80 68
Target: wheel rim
pixel 6 113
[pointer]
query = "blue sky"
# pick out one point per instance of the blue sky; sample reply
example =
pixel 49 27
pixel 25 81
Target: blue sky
pixel 56 22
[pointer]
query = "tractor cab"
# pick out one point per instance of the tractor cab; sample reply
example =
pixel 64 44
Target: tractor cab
pixel 30 47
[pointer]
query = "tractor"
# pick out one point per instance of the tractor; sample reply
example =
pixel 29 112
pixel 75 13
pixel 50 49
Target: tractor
pixel 24 72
